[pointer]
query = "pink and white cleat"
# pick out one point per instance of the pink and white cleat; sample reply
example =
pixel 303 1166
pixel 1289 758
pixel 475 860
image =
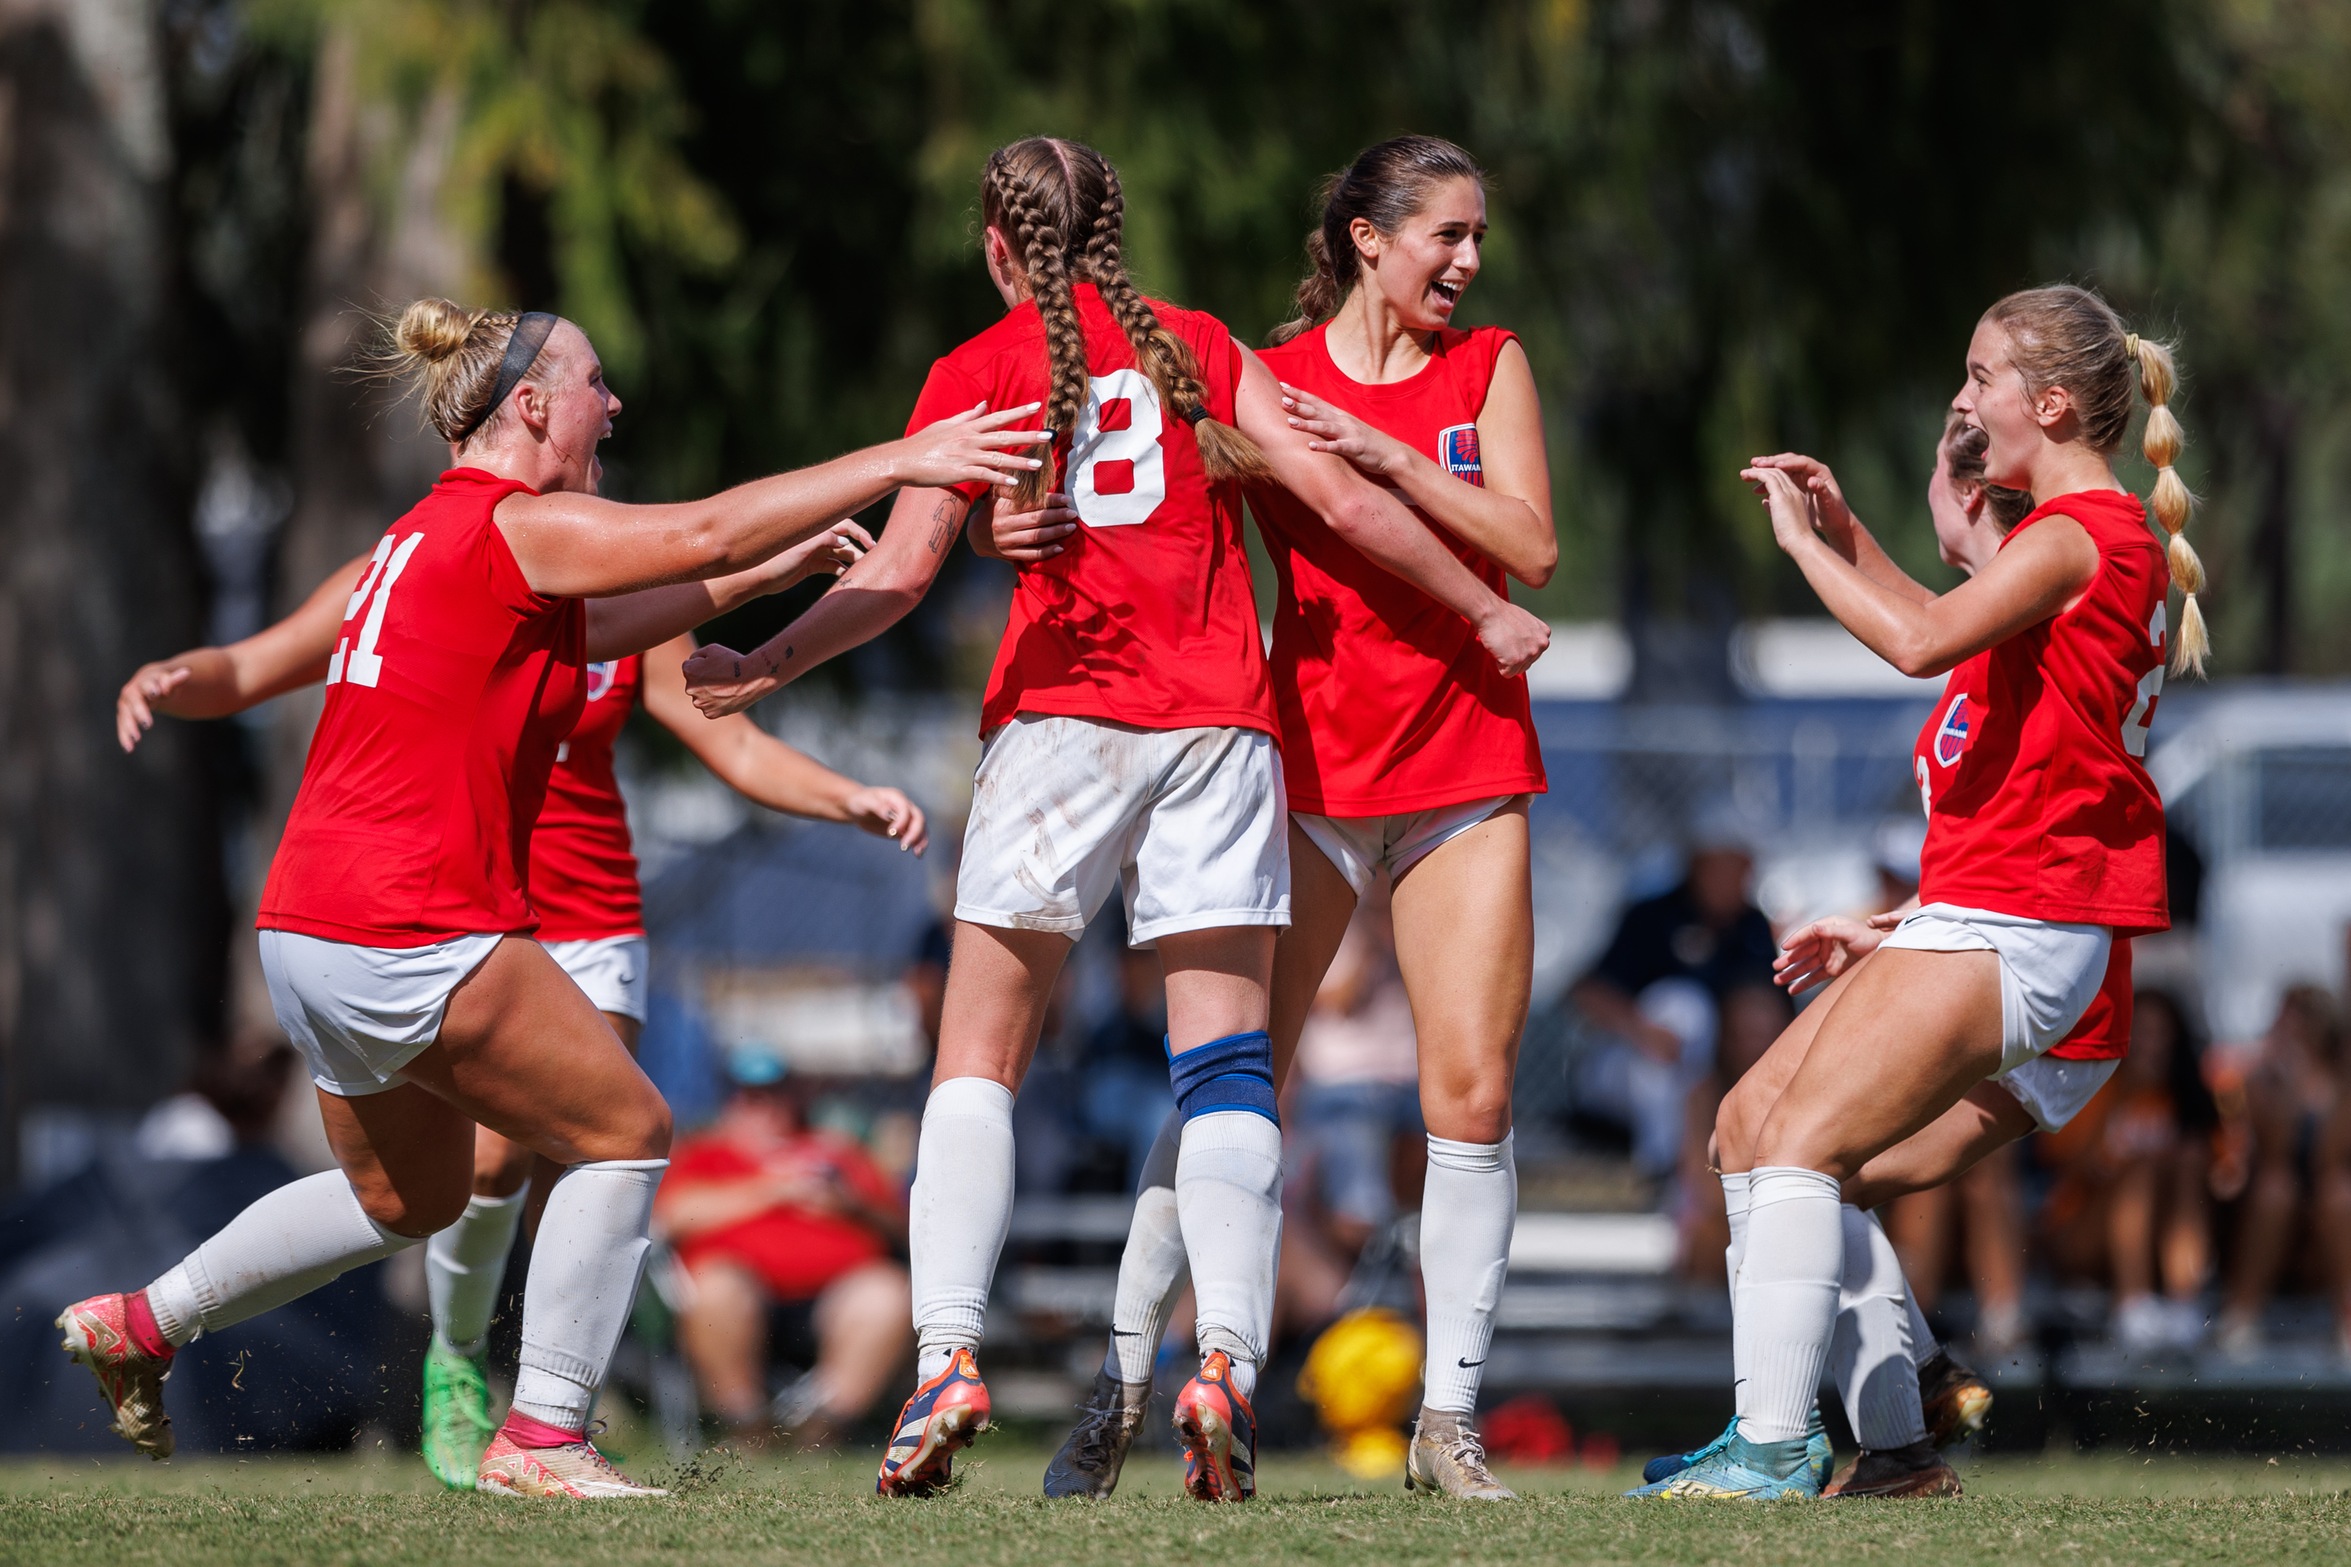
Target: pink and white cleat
pixel 573 1469
pixel 1218 1431
pixel 102 1333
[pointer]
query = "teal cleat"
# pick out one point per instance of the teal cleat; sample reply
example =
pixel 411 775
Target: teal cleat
pixel 1817 1453
pixel 1740 1470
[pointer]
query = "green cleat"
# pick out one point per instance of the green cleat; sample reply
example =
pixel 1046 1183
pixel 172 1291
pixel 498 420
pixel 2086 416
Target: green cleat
pixel 457 1423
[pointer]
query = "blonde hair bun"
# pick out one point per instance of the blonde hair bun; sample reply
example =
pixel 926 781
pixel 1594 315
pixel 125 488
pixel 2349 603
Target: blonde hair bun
pixel 434 329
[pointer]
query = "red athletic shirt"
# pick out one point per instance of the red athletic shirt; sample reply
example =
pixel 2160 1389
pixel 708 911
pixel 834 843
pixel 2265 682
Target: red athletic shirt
pixel 1387 700
pixel 2038 801
pixel 1146 617
pixel 795 1252
pixel 450 687
pixel 583 867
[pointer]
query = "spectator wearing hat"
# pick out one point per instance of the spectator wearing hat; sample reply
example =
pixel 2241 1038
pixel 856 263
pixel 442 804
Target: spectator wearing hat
pixel 791 1237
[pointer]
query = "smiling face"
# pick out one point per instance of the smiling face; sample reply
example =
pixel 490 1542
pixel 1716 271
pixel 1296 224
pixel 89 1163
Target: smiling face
pixel 570 403
pixel 1422 270
pixel 1996 400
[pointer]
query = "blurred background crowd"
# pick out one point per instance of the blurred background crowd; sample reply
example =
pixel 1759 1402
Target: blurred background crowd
pixel 1720 226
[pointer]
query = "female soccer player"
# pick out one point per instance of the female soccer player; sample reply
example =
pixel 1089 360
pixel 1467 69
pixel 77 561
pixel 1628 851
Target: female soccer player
pixel 1130 740
pixel 395 926
pixel 1405 750
pixel 2044 844
pixel 583 888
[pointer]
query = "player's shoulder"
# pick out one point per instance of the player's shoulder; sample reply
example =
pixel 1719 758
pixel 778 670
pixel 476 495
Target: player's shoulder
pixel 1013 336
pixel 1304 349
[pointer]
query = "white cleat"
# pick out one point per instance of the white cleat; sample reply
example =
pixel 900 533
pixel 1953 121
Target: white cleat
pixel 1448 1458
pixel 575 1469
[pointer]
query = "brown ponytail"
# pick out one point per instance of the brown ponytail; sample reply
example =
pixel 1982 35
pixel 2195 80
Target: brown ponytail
pixel 1044 193
pixel 2067 336
pixel 1385 186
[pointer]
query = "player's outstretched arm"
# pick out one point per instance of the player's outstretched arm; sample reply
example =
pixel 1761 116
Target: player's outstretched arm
pixel 764 770
pixel 213 682
pixel 1507 519
pixel 2035 575
pixel 634 622
pixel 575 545
pixel 870 598
pixel 1841 528
pixel 1377 524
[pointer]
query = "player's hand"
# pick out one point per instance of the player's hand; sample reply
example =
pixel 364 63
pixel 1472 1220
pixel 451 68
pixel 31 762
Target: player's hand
pixel 1828 497
pixel 1514 636
pixel 1816 953
pixel 134 705
pixel 825 554
pixel 1794 518
pixel 887 813
pixel 1029 536
pixel 723 681
pixel 1334 430
pixel 970 448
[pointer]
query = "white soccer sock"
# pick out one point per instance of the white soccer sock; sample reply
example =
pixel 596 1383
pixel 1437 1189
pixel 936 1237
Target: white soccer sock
pixel 1229 1199
pixel 281 1248
pixel 1787 1302
pixel 1152 1269
pixel 583 1279
pixel 959 1214
pixel 464 1265
pixel 1467 1211
pixel 1869 1353
pixel 1734 1207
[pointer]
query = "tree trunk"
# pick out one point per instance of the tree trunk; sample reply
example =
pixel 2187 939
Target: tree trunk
pixel 110 888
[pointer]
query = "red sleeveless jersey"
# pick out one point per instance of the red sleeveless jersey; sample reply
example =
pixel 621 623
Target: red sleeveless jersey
pixel 450 687
pixel 2038 800
pixel 1386 698
pixel 1147 616
pixel 583 866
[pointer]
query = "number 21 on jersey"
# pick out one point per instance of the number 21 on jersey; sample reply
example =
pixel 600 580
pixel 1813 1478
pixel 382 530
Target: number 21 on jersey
pixel 359 662
pixel 1118 474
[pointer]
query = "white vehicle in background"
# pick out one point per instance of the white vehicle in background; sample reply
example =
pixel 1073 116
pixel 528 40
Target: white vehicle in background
pixel 2258 778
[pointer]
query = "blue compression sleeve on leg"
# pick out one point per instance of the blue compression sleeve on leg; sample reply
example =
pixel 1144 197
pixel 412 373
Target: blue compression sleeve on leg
pixel 1232 1073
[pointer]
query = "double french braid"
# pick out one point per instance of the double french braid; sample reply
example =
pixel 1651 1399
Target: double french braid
pixel 1225 453
pixel 1014 193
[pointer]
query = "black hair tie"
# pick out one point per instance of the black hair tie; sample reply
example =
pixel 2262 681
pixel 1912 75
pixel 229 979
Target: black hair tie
pixel 1193 415
pixel 522 352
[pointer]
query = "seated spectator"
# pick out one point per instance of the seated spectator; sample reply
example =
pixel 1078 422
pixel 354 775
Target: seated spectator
pixel 2299 1196
pixel 1752 1019
pixel 1353 1118
pixel 789 1236
pixel 1983 1210
pixel 1659 989
pixel 2129 1204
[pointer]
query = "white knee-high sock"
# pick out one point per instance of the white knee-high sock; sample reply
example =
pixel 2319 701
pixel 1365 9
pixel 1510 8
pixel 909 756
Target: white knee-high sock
pixel 1869 1352
pixel 959 1214
pixel 463 1266
pixel 281 1248
pixel 1229 1199
pixel 1467 1211
pixel 583 1279
pixel 1153 1268
pixel 1734 1207
pixel 1787 1301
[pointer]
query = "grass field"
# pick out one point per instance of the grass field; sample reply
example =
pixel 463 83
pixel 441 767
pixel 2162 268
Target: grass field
pixel 2057 1512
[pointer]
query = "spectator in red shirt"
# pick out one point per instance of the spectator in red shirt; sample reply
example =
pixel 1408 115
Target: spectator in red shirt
pixel 792 1237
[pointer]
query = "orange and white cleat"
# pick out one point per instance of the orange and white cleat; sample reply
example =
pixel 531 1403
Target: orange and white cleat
pixel 573 1469
pixel 98 1333
pixel 944 1414
pixel 1219 1433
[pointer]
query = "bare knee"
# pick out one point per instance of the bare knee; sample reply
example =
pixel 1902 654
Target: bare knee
pixel 642 1131
pixel 416 1205
pixel 500 1168
pixel 1737 1121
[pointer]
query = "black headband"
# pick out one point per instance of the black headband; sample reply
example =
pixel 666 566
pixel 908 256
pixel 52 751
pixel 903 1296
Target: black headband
pixel 522 352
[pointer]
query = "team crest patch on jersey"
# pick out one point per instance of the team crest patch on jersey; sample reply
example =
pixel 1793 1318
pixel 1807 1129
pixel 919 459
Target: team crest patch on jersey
pixel 1457 449
pixel 600 677
pixel 1953 735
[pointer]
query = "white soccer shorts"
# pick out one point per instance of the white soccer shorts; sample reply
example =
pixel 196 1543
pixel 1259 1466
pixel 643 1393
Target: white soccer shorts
pixel 2053 1091
pixel 360 1014
pixel 1189 822
pixel 2049 973
pixel 1360 845
pixel 611 969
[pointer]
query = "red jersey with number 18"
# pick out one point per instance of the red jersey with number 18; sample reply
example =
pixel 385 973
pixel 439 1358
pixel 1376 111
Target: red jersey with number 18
pixel 451 685
pixel 2038 802
pixel 583 866
pixel 1146 617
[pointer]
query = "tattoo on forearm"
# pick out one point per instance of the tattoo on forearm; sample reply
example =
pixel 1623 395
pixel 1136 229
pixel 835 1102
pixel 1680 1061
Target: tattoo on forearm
pixel 945 520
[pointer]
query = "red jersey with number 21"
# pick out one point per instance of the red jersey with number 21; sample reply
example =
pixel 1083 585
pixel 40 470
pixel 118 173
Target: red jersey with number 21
pixel 2038 800
pixel 450 687
pixel 1146 617
pixel 1388 701
pixel 583 866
